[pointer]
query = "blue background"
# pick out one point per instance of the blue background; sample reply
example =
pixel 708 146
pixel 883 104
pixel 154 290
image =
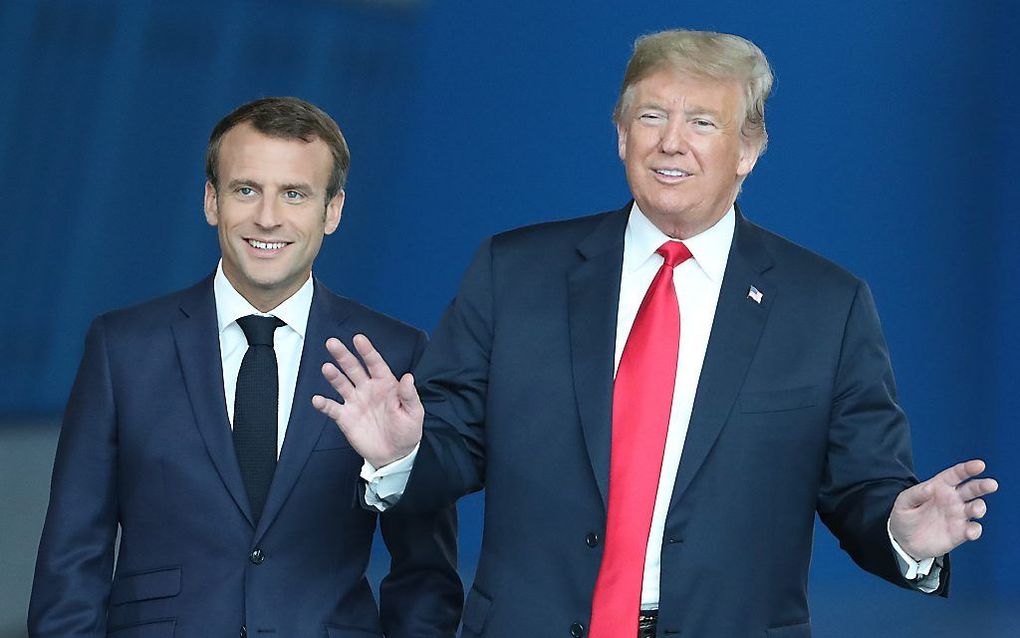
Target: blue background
pixel 893 137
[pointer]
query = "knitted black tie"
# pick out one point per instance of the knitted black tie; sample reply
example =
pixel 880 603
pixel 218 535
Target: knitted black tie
pixel 255 409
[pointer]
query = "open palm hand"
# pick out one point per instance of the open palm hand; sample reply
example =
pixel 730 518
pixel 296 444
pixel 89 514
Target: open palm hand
pixel 380 416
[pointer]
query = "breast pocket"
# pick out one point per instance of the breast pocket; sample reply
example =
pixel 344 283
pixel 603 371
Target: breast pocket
pixel 778 400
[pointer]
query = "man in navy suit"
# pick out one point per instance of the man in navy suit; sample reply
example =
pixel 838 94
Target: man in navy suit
pixel 237 515
pixel 658 399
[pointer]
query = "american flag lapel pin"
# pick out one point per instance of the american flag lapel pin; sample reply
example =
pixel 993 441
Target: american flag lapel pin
pixel 754 295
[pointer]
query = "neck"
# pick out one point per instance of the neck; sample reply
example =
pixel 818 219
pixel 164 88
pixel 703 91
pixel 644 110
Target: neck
pixel 264 299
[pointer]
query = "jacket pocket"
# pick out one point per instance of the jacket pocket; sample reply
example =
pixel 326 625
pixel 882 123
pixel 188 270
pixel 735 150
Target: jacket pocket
pixel 138 586
pixel 802 630
pixel 336 631
pixel 476 611
pixel 778 400
pixel 153 629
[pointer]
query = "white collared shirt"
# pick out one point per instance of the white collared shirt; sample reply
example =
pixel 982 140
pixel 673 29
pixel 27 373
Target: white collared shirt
pixel 697 282
pixel 288 342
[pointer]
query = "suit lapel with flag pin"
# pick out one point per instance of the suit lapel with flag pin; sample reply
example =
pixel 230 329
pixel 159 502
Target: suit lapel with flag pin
pixel 755 295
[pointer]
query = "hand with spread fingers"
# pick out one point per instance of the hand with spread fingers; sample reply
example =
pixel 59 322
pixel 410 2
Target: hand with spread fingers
pixel 380 416
pixel 933 517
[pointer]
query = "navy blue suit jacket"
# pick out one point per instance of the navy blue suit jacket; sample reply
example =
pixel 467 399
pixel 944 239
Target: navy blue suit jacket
pixel 795 413
pixel 146 445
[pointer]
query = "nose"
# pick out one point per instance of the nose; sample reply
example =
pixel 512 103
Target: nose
pixel 267 216
pixel 674 137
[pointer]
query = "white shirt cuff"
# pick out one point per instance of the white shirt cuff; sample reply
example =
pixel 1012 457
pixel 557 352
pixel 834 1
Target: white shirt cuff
pixel 384 486
pixel 924 574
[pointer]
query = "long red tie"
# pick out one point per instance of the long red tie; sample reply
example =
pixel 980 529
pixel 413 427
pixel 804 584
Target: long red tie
pixel 642 400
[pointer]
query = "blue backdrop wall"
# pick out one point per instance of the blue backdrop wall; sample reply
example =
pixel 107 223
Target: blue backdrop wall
pixel 893 135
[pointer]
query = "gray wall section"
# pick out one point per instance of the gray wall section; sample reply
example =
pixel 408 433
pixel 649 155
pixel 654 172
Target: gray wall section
pixel 26 460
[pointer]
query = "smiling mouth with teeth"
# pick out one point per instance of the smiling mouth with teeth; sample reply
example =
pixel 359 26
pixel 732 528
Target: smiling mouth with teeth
pixel 670 172
pixel 266 245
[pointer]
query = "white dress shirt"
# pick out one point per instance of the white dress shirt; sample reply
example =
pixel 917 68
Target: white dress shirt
pixel 288 341
pixel 697 282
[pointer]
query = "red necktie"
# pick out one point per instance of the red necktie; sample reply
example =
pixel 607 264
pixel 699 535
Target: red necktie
pixel 642 400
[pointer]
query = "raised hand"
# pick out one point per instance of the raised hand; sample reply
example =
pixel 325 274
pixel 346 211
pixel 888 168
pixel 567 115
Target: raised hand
pixel 380 416
pixel 933 517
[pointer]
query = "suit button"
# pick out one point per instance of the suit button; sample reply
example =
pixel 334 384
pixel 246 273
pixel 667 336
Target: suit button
pixel 257 557
pixel 244 632
pixel 577 630
pixel 592 540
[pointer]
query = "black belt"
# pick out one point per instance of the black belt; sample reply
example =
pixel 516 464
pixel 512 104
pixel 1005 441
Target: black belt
pixel 647 621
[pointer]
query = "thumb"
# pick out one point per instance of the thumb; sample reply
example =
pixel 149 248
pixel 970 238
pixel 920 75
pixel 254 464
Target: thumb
pixel 408 395
pixel 917 495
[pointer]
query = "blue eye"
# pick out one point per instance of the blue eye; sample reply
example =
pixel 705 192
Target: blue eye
pixel 293 195
pixel 246 191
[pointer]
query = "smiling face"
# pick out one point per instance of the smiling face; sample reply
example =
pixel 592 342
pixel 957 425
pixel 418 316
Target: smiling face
pixel 680 141
pixel 270 211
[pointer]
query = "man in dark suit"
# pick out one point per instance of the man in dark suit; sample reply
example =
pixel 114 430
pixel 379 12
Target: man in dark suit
pixel 658 399
pixel 190 429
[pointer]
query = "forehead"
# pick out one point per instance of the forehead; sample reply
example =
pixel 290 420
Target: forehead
pixel 670 88
pixel 246 153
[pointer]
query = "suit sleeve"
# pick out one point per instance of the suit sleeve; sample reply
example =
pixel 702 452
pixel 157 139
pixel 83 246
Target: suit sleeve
pixel 75 561
pixel 422 595
pixel 869 460
pixel 453 381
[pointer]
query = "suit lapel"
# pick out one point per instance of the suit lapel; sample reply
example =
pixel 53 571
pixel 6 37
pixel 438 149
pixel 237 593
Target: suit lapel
pixel 325 319
pixel 198 348
pixel 736 329
pixel 594 296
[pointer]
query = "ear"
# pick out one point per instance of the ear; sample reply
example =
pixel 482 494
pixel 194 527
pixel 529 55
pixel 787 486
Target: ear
pixel 212 212
pixel 621 141
pixel 749 152
pixel 333 210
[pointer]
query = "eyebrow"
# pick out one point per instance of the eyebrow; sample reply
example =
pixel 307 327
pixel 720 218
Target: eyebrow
pixel 650 105
pixel 250 183
pixel 695 109
pixel 690 110
pixel 237 183
pixel 298 186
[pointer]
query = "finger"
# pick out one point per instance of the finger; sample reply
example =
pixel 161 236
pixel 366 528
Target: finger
pixel 917 495
pixel 338 380
pixel 973 531
pixel 976 488
pixel 329 407
pixel 373 360
pixel 408 395
pixel 961 472
pixel 975 509
pixel 346 361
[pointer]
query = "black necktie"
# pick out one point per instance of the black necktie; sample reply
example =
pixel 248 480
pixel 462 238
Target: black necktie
pixel 256 401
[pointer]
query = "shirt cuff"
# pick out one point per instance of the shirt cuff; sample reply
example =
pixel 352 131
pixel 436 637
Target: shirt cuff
pixel 924 574
pixel 385 485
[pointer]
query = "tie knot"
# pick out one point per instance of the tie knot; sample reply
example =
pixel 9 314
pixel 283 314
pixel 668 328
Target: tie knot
pixel 674 252
pixel 259 330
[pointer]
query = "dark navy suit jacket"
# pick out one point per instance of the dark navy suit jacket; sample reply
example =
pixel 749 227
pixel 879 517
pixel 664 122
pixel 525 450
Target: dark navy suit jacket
pixel 146 445
pixel 795 413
